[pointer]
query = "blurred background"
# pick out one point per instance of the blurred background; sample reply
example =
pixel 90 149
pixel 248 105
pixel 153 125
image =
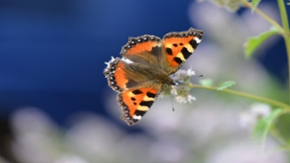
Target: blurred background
pixel 56 107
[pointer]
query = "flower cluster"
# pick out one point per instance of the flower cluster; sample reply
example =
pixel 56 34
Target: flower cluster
pixel 182 87
pixel 257 111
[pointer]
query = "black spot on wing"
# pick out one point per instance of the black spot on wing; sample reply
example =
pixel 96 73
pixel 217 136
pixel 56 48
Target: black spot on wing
pixel 146 103
pixel 151 95
pixel 193 43
pixel 169 51
pixel 185 52
pixel 177 60
pixel 137 91
pixel 133 121
pixel 140 112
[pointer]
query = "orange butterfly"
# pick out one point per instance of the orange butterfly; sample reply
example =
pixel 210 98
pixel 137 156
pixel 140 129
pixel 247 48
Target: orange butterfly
pixel 146 65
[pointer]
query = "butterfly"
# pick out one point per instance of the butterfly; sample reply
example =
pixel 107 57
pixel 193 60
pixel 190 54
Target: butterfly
pixel 145 67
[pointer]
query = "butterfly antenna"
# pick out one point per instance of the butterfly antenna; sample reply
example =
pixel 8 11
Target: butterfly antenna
pixel 172 103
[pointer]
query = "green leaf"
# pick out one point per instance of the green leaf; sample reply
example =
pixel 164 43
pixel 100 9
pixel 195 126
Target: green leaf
pixel 225 85
pixel 206 82
pixel 264 124
pixel 255 3
pixel 254 42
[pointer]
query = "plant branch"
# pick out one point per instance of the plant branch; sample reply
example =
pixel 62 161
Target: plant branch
pixel 270 20
pixel 276 134
pixel 266 17
pixel 250 96
pixel 286 36
pixel 283 14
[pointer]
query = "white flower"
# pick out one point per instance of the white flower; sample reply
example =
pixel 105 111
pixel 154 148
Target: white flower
pixel 190 72
pixel 182 87
pixel 251 116
pixel 185 99
pixel 173 90
pixel 190 98
pixel 183 75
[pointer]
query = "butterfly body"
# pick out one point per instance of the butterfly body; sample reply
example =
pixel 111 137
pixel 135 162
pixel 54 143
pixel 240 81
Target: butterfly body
pixel 146 65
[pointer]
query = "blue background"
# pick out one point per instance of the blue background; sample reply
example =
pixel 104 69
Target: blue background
pixel 52 52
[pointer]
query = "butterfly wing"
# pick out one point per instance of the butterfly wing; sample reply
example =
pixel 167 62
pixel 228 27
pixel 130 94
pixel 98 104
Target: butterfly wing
pixel 136 91
pixel 146 49
pixel 135 102
pixel 177 48
pixel 146 65
pixel 115 74
pixel 169 54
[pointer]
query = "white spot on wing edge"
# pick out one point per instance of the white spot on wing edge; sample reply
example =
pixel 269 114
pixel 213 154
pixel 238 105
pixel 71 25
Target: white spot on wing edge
pixel 137 117
pixel 127 60
pixel 108 63
pixel 197 40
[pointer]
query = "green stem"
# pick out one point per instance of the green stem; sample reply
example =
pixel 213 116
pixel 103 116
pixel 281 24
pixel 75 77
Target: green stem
pixel 283 14
pixel 286 35
pixel 276 134
pixel 270 20
pixel 250 96
pixel 265 16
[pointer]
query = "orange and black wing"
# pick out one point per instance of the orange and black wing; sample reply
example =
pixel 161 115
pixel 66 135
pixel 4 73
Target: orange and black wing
pixel 136 102
pixel 177 47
